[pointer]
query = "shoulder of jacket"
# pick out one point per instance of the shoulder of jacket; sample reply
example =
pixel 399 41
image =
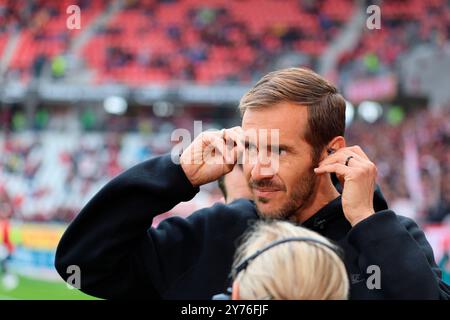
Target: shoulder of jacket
pixel 240 207
pixel 407 222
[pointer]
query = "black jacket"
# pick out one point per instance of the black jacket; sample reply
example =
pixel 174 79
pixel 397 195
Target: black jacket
pixel 121 257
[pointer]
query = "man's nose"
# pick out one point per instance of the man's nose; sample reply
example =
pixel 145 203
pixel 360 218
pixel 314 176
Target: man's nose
pixel 262 171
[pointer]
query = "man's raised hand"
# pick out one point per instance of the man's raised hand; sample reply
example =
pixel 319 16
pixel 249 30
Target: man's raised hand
pixel 211 155
pixel 357 175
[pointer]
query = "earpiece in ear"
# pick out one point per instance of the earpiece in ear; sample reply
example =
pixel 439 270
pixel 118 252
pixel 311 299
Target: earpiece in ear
pixel 330 150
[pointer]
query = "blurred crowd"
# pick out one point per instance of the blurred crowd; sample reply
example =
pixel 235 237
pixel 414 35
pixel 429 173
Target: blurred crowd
pixel 166 40
pixel 50 172
pixel 405 25
pixel 413 160
pixel 213 41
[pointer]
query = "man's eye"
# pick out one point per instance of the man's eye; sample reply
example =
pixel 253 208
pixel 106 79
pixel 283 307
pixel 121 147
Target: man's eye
pixel 281 152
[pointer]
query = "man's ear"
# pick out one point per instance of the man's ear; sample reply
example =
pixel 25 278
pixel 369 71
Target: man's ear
pixel 336 143
pixel 235 291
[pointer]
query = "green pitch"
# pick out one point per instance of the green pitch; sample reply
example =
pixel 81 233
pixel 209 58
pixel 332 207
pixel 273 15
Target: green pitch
pixel 31 289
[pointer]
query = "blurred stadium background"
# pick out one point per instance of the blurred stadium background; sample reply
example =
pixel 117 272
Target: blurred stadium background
pixel 79 106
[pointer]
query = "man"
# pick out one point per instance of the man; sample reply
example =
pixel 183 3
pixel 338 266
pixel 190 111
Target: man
pixel 234 185
pixel 121 257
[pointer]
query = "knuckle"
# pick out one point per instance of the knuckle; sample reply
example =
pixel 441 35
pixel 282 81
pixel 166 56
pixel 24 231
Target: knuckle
pixel 374 169
pixel 356 148
pixel 372 166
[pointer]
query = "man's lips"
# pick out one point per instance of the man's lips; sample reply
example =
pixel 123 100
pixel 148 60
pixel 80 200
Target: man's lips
pixel 265 192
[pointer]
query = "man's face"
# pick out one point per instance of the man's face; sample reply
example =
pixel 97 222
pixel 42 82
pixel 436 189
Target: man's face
pixel 285 183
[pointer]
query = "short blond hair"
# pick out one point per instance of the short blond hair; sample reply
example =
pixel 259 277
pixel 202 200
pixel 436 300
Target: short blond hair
pixel 294 270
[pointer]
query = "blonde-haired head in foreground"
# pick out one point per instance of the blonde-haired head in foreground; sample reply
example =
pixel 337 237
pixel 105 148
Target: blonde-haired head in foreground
pixel 294 270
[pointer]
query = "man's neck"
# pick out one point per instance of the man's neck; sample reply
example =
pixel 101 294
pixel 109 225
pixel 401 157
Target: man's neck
pixel 324 193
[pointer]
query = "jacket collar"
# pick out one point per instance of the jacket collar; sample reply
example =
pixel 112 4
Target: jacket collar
pixel 333 210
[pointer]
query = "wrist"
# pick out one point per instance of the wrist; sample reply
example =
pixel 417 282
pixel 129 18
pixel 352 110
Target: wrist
pixel 360 217
pixel 186 170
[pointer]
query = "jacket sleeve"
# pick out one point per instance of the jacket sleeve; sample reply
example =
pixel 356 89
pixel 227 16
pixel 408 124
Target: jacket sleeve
pixel 111 240
pixel 399 248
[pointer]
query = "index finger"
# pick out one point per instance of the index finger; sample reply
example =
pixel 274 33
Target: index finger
pixel 359 151
pixel 235 134
pixel 340 156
